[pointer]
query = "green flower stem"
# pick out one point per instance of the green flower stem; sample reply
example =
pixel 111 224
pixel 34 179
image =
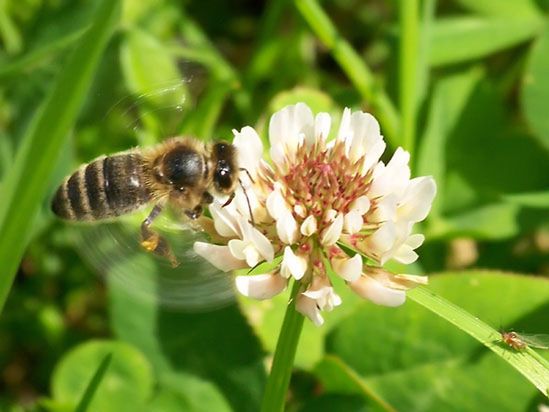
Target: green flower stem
pixel 529 363
pixel 281 370
pixel 408 70
pixel 354 66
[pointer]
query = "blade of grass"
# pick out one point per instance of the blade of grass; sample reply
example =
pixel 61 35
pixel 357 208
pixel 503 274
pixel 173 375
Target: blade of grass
pixel 35 57
pixel 95 381
pixel 201 122
pixel 408 70
pixel 25 186
pixel 426 23
pixel 352 64
pixel 531 365
pixel 219 67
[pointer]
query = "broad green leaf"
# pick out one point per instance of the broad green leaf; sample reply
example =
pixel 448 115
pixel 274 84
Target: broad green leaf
pixel 339 378
pixel 503 8
pixel 496 221
pixel 134 11
pixel 218 345
pixel 450 97
pixel 535 88
pixel 336 402
pixel 458 39
pixel 416 361
pixel 317 100
pixel 184 392
pixel 126 386
pixel 23 189
pixel 486 157
pixel 532 199
pixel 95 381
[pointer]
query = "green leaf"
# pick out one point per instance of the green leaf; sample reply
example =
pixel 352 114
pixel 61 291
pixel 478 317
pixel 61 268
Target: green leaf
pixel 316 99
pixel 266 319
pixel 151 73
pixel 23 188
pixel 496 221
pixel 185 392
pixel 417 361
pixel 532 199
pixel 535 88
pixel 332 402
pixel 126 385
pixel 486 156
pixel 458 39
pixel 450 97
pixel 338 377
pixel 95 381
pixel 218 345
pixel 503 8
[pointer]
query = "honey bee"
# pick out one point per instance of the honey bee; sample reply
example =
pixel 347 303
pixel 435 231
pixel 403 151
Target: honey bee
pixel 181 172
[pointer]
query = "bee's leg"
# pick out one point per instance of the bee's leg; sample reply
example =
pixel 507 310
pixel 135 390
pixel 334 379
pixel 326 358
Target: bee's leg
pixel 207 198
pixel 229 200
pixel 153 242
pixel 194 213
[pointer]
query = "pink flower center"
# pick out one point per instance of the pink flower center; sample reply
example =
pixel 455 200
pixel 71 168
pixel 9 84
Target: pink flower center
pixel 321 179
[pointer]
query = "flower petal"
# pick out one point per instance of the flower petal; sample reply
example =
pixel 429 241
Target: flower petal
pixel 309 308
pixel 349 269
pixel 289 125
pixel 224 221
pixel 392 178
pixel 276 205
pixel 293 264
pixel 385 209
pixel 344 131
pixel 260 286
pixel 332 233
pixel 219 256
pixel 260 242
pixel 360 205
pixel 323 122
pixel 249 150
pixel 237 248
pixel 417 199
pixel 309 226
pixel 375 291
pixel 353 222
pixel 372 156
pixel 365 134
pixel 383 239
pixel 286 227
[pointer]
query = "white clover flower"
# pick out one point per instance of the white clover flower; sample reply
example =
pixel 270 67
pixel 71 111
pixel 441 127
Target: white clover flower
pixel 315 201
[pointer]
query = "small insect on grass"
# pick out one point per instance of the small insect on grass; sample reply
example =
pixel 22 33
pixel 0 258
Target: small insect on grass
pixel 519 342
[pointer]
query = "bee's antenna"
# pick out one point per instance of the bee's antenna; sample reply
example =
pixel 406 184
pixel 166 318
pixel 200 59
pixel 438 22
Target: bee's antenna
pixel 247 199
pixel 243 169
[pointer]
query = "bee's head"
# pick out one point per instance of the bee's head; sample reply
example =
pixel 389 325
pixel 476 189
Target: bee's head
pixel 225 173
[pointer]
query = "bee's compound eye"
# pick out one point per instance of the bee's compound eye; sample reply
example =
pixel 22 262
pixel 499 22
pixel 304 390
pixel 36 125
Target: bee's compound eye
pixel 223 176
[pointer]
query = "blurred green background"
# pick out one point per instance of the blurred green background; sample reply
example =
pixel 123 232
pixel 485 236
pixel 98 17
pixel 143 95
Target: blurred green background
pixel 473 98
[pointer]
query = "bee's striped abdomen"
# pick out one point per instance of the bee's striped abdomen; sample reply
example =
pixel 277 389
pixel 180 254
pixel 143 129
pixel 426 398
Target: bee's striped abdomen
pixel 107 187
